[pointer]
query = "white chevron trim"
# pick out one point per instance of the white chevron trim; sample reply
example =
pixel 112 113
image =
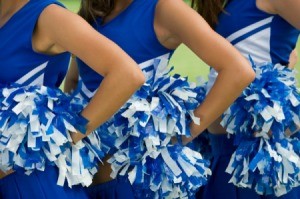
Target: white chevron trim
pixel 150 62
pixel 32 73
pixel 86 91
pixel 257 46
pixel 38 81
pixel 247 29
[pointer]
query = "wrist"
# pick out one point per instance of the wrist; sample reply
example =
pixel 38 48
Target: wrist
pixel 76 137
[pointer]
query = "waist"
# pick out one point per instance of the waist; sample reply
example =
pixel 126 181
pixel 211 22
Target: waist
pixel 3 175
pixel 109 184
pixel 103 174
pixel 221 144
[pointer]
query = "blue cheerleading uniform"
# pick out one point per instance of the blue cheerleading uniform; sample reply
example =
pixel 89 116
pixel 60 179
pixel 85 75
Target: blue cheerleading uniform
pixel 133 127
pixel 21 65
pixel 268 41
pixel 39 184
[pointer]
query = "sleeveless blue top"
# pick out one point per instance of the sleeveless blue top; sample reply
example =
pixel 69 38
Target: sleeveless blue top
pixel 267 38
pixel 18 61
pixel 133 31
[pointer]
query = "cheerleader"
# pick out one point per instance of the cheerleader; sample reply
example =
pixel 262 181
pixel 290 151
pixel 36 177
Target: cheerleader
pixel 259 158
pixel 138 136
pixel 36 150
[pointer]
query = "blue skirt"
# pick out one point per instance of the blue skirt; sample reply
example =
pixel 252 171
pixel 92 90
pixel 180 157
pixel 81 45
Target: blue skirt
pixel 38 185
pixel 218 186
pixel 119 188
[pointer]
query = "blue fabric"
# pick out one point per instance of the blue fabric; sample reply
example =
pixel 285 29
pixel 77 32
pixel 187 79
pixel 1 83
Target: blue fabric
pixel 114 189
pixel 218 186
pixel 133 31
pixel 39 185
pixel 202 144
pixel 56 69
pixel 279 37
pixel 17 56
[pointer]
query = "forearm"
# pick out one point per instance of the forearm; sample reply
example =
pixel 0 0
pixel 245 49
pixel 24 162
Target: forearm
pixel 113 92
pixel 227 87
pixel 293 59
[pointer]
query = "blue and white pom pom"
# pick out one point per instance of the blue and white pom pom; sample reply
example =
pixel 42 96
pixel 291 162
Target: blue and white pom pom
pixel 176 172
pixel 35 122
pixel 267 158
pixel 143 128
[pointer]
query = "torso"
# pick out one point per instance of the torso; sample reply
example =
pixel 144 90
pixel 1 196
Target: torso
pixel 254 31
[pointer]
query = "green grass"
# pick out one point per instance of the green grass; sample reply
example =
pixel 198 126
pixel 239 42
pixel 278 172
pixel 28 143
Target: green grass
pixel 72 5
pixel 184 61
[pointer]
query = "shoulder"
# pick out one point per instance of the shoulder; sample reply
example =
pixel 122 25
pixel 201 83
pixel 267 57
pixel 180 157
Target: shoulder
pixel 46 5
pixel 57 26
pixel 170 5
pixel 54 10
pixel 174 10
pixel 55 16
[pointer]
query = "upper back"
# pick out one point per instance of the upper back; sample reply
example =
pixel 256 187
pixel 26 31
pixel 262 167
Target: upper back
pixel 265 37
pixel 18 61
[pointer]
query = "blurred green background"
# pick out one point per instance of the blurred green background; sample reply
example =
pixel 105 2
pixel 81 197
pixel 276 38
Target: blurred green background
pixel 184 61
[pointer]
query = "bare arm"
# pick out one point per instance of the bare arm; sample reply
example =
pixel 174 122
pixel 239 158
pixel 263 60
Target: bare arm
pixel 287 9
pixel 60 30
pixel 71 80
pixel 293 59
pixel 183 24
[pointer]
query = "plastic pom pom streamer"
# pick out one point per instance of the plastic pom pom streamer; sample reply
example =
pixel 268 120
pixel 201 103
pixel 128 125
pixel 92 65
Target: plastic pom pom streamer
pixel 267 157
pixel 35 122
pixel 176 172
pixel 140 136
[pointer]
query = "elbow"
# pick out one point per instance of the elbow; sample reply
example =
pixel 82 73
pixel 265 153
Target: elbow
pixel 246 75
pixel 137 78
pixel 129 75
pixel 250 75
pixel 140 79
